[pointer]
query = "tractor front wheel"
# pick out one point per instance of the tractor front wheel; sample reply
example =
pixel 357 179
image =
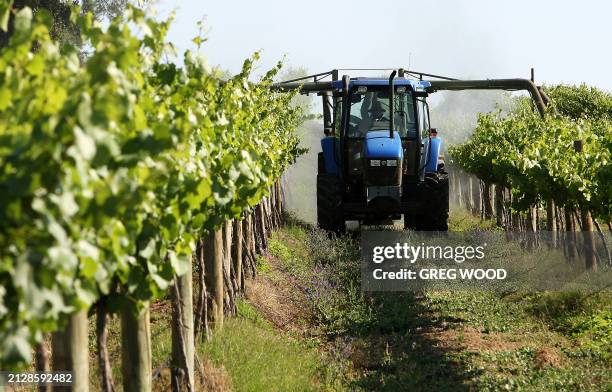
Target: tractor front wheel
pixel 434 192
pixel 412 222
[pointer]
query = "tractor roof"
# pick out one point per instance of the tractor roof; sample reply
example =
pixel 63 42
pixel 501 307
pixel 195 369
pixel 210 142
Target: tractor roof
pixel 416 85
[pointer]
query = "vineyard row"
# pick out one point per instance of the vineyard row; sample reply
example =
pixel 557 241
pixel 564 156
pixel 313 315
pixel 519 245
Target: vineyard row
pixel 562 163
pixel 122 174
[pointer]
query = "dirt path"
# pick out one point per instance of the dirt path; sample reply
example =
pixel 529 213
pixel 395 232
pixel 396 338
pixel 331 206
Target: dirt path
pixel 279 297
pixel 399 341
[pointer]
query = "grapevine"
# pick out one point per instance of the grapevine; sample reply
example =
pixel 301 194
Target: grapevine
pixel 112 166
pixel 537 158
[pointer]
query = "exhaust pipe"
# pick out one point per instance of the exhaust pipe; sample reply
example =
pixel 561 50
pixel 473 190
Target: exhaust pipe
pixel 346 109
pixel 327 112
pixel 391 103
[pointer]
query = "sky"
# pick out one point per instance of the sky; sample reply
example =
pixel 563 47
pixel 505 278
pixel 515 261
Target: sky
pixel 565 41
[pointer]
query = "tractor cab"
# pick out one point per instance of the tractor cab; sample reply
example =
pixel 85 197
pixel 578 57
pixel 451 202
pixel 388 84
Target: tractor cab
pixel 370 111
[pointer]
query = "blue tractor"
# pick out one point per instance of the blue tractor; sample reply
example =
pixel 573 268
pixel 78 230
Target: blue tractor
pixel 381 160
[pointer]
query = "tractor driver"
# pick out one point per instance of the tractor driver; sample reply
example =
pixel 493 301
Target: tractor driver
pixel 370 113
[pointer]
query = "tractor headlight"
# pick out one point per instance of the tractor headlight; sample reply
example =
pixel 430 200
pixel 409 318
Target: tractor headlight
pixel 375 162
pixel 392 162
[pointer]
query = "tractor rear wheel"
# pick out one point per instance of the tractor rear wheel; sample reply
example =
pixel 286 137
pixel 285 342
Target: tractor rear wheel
pixel 329 203
pixel 320 163
pixel 436 218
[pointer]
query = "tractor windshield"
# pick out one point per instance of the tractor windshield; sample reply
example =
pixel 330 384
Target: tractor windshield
pixel 370 111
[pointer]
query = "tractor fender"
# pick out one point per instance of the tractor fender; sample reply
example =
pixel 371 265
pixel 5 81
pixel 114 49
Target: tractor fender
pixel 328 145
pixel 432 148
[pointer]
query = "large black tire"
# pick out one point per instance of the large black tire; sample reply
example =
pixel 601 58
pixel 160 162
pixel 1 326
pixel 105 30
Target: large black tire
pixel 412 222
pixel 434 190
pixel 437 217
pixel 320 163
pixel 329 204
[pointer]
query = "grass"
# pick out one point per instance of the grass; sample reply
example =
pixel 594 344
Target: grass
pixel 246 354
pixel 447 341
pixel 585 319
pixel 461 220
pixel 258 358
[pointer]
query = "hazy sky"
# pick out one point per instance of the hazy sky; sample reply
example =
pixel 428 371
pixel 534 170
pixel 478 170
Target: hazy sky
pixel 566 41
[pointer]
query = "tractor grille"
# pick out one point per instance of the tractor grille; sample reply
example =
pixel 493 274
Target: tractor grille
pixel 382 175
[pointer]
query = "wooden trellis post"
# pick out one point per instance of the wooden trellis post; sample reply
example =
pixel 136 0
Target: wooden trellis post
pixel 183 349
pixel 213 264
pixel 590 259
pixel 136 349
pixel 229 295
pixel 570 234
pixel 237 258
pixel 70 352
pixel 551 223
pixel 249 244
pixel 201 313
